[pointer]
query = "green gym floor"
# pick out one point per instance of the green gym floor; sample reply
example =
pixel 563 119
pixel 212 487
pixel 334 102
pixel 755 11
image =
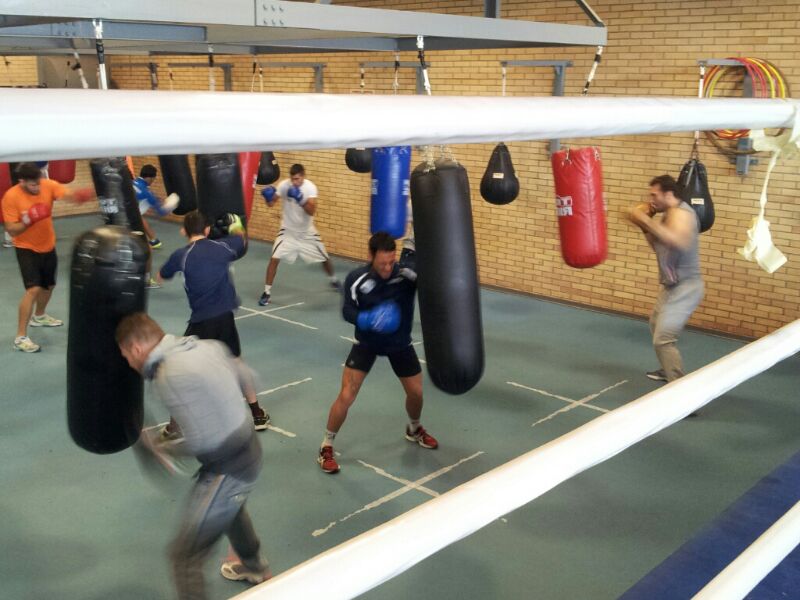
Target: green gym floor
pixel 80 526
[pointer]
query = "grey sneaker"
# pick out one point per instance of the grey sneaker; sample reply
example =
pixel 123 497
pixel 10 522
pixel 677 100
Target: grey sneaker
pixel 24 344
pixel 658 375
pixel 236 571
pixel 45 321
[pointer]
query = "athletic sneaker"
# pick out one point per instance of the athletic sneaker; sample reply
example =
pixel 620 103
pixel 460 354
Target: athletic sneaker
pixel 658 375
pixel 7 243
pixel 171 433
pixel 45 321
pixel 422 437
pixel 261 419
pixel 155 243
pixel 153 284
pixel 336 285
pixel 326 461
pixel 264 300
pixel 24 344
pixel 236 571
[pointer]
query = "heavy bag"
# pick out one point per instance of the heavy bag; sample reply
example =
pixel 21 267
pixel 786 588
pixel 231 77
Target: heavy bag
pixel 177 177
pixel 269 171
pixel 248 162
pixel 115 194
pixel 580 206
pixel 389 196
pixel 63 171
pixel 358 159
pixel 693 189
pixel 104 395
pixel 219 186
pixel 447 276
pixel 5 184
pixel 499 184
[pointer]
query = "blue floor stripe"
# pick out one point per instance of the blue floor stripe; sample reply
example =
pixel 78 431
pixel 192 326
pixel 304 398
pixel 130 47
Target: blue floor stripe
pixel 699 560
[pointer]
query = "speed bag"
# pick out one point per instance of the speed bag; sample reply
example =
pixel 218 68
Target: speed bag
pixel 104 395
pixel 499 184
pixel 5 184
pixel 269 171
pixel 248 163
pixel 177 177
pixel 63 171
pixel 358 160
pixel 115 194
pixel 389 190
pixel 580 206
pixel 447 276
pixel 693 189
pixel 219 186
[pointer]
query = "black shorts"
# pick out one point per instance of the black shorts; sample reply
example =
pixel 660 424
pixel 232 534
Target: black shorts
pixel 38 269
pixel 404 361
pixel 222 328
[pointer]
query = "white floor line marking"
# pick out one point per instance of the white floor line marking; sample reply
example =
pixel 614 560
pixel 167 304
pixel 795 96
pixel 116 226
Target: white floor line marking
pixel 347 339
pixel 253 313
pixel 383 473
pixel 556 396
pixel 290 321
pixel 581 402
pixel 284 386
pixel 396 494
pixel 288 434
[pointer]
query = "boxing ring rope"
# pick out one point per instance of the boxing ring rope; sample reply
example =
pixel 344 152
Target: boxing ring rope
pixel 376 556
pixel 69 123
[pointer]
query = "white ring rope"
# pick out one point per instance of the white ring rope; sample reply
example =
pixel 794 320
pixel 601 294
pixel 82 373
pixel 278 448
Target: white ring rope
pixel 52 124
pixel 376 556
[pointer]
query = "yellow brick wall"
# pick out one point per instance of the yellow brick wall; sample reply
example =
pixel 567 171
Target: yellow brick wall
pixel 653 49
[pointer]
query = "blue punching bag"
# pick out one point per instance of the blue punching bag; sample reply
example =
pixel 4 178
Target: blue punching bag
pixel 391 168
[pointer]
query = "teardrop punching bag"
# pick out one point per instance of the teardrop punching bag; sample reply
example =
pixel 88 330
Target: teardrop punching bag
pixel 114 187
pixel 447 276
pixel 499 184
pixel 177 177
pixel 219 186
pixel 693 189
pixel 580 206
pixel 358 160
pixel 104 395
pixel 389 197
pixel 248 162
pixel 269 171
pixel 63 171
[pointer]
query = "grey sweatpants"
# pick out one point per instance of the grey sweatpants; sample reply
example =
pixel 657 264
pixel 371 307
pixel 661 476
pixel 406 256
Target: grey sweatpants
pixel 216 507
pixel 674 305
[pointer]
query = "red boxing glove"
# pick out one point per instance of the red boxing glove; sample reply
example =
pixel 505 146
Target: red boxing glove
pixel 36 213
pixel 83 195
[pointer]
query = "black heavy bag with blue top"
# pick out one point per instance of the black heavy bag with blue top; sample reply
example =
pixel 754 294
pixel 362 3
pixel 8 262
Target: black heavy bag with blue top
pixel 390 189
pixel 447 276
pixel 107 283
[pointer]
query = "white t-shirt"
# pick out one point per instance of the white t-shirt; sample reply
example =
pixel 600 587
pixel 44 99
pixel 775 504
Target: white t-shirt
pixel 295 218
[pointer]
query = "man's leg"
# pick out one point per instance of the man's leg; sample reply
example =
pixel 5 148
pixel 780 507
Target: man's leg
pixel 352 378
pixel 148 230
pixel 248 564
pixel 26 309
pixel 42 299
pixel 676 309
pixel 272 269
pixel 405 365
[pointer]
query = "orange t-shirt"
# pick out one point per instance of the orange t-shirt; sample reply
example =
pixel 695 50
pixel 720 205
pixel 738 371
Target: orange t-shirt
pixel 41 236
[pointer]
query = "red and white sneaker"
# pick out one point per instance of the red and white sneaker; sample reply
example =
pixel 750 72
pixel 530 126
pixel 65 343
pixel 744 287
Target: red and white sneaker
pixel 326 461
pixel 422 437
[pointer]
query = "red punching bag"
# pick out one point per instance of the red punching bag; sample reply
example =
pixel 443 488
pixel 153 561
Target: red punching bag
pixel 5 184
pixel 248 162
pixel 63 171
pixel 580 206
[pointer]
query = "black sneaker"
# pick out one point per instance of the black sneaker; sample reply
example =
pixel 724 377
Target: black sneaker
pixel 261 419
pixel 264 300
pixel 658 375
pixel 336 285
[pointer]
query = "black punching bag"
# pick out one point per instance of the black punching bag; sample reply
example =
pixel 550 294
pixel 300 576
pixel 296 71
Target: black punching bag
pixel 219 187
pixel 693 188
pixel 359 160
pixel 269 171
pixel 114 186
pixel 104 395
pixel 177 177
pixel 499 184
pixel 447 276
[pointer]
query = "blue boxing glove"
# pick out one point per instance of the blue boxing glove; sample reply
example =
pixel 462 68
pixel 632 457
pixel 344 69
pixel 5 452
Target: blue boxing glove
pixel 269 194
pixel 384 318
pixel 297 195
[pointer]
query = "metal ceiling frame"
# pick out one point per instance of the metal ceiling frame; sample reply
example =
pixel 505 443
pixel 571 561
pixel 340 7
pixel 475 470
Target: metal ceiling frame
pixel 266 27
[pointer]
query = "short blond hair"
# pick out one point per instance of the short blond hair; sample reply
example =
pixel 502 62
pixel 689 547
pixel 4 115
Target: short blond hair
pixel 138 327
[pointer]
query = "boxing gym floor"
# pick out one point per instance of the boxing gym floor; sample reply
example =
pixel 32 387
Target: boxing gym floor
pixel 80 526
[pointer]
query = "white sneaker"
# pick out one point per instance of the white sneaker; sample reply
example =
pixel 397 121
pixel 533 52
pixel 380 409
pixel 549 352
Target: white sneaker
pixel 236 571
pixel 45 321
pixel 24 344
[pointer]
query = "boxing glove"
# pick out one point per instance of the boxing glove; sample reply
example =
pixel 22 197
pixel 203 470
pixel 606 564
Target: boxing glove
pixel 297 195
pixel 36 213
pixel 269 194
pixel 384 318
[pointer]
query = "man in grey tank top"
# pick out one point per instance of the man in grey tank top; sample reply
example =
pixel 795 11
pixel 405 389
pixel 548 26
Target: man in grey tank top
pixel 674 239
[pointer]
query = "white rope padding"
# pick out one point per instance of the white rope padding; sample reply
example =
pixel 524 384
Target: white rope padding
pixel 46 124
pixel 760 558
pixel 376 556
